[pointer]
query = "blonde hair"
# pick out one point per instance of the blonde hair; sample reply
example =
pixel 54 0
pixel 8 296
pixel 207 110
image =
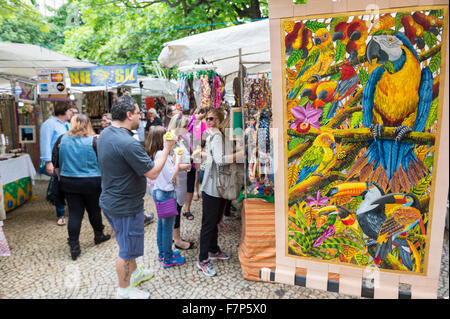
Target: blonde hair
pixel 80 125
pixel 222 122
pixel 178 124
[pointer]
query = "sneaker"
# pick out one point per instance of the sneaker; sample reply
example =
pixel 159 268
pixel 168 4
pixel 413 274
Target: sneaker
pixel 132 293
pixel 174 261
pixel 141 276
pixel 206 267
pixel 148 219
pixel 220 255
pixel 175 253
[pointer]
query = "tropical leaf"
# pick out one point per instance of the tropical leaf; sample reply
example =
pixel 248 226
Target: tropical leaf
pixel 435 62
pixel 330 221
pixel 325 110
pixel 357 118
pixel 292 174
pixel 295 142
pixel 315 25
pixel 336 76
pixel 340 51
pixel 437 13
pixel 429 161
pixel 430 39
pixel 337 241
pixel 295 57
pixel 348 251
pixel 289 26
pixel 363 76
pixel 316 252
pixel 398 21
pixel 362 259
pixel 354 203
pixel 432 114
pixel 303 101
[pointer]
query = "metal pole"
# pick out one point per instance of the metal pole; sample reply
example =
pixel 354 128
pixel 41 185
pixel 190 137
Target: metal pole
pixel 241 85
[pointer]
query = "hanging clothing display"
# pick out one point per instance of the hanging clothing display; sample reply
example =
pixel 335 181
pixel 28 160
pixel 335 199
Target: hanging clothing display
pixel 257 97
pixel 204 89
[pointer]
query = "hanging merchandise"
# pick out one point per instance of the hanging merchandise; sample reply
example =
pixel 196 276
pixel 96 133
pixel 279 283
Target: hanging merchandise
pixel 217 92
pixel 206 92
pixel 257 97
pixel 182 96
pixel 197 86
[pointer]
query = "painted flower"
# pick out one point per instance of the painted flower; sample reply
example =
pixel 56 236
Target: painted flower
pixel 318 200
pixel 327 233
pixel 306 114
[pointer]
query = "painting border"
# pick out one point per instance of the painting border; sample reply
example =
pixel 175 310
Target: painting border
pixel 443 74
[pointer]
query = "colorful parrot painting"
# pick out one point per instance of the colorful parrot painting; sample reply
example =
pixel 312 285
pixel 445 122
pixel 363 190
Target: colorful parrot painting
pixel 362 117
pixel 317 62
pixel 317 158
pixel 388 99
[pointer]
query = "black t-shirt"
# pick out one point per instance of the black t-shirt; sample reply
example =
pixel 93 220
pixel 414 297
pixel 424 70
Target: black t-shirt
pixel 123 163
pixel 156 122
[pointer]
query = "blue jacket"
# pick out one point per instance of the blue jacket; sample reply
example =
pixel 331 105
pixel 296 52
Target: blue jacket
pixel 77 157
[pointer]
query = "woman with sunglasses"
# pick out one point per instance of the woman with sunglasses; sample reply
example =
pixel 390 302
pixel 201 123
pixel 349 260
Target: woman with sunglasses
pixel 212 204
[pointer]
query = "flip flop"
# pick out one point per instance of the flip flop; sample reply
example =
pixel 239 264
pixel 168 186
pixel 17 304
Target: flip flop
pixel 188 215
pixel 61 223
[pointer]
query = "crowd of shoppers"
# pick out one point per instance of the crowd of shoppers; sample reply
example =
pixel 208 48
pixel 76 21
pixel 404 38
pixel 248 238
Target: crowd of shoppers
pixel 111 172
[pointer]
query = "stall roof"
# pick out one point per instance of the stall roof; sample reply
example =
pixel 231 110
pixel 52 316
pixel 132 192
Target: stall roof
pixel 22 60
pixel 221 48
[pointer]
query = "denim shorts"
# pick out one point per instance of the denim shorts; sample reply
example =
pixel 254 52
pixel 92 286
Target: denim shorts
pixel 129 234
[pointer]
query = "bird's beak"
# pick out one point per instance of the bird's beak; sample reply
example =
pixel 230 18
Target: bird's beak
pixel 338 36
pixel 333 147
pixel 390 199
pixel 328 210
pixel 317 41
pixel 374 50
pixel 347 189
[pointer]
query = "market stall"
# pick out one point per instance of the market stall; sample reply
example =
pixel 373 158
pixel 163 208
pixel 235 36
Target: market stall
pixel 240 57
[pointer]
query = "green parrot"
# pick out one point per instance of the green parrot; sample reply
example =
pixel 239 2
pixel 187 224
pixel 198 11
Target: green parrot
pixel 316 63
pixel 317 157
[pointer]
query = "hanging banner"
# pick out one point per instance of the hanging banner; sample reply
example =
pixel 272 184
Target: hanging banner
pixel 107 75
pixel 51 81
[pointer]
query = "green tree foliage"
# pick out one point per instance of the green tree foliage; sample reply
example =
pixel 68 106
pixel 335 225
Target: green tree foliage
pixel 130 31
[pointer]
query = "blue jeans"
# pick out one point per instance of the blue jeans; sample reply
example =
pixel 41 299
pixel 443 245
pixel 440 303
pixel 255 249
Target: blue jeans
pixel 60 209
pixel 165 227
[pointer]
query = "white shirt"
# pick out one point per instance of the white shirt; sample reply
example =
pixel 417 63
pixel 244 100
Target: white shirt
pixel 164 180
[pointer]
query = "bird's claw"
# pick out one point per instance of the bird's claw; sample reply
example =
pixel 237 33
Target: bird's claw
pixel 377 130
pixel 401 131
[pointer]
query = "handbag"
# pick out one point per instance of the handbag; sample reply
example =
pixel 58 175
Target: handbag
pixel 167 208
pixel 54 193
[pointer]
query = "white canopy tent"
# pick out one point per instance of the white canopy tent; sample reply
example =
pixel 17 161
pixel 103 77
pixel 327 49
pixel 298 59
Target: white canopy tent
pixel 223 48
pixel 22 60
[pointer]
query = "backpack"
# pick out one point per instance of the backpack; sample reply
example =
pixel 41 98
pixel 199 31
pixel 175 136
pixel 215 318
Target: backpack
pixel 230 179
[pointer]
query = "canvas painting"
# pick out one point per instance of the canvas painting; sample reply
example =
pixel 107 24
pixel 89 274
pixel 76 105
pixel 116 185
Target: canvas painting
pixel 362 98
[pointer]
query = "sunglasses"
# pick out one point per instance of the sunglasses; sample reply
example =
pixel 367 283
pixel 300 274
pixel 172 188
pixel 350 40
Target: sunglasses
pixel 211 118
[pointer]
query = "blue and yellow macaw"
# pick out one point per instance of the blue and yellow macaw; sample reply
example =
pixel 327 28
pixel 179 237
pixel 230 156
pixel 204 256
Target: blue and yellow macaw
pixel 316 63
pixel 317 157
pixel 397 94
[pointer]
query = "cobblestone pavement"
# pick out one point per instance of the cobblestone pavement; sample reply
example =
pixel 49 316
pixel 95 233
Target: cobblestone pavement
pixel 40 265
